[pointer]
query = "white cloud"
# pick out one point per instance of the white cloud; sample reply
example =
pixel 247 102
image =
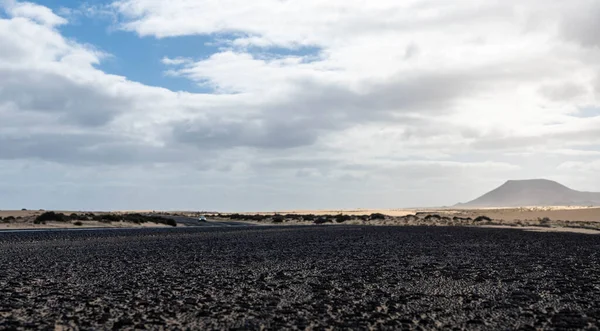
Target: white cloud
pixel 563 92
pixel 175 61
pixel 40 14
pixel 587 167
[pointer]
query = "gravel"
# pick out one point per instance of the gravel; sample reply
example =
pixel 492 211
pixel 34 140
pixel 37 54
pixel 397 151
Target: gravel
pixel 297 277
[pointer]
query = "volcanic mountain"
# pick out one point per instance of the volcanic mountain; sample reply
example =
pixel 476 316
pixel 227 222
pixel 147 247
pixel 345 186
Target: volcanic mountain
pixel 533 192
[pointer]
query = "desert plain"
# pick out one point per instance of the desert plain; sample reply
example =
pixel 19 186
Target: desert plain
pixel 547 218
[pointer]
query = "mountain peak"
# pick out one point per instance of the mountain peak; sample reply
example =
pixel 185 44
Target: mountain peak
pixel 534 192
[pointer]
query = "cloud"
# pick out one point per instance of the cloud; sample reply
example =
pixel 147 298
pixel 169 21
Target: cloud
pixel 563 92
pixel 581 23
pixel 581 167
pixel 331 103
pixel 74 102
pixel 175 61
pixel 37 13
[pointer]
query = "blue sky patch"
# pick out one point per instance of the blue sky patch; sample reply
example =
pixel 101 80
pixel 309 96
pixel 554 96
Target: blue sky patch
pixel 588 112
pixel 139 58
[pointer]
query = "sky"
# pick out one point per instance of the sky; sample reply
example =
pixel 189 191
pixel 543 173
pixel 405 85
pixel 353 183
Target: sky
pixel 236 105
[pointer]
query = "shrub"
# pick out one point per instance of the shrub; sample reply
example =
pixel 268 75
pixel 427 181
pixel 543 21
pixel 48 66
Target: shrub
pixel 545 220
pixel 258 218
pixel 377 216
pixel 99 218
pixel 78 223
pixel 482 219
pixel 321 220
pixel 50 216
pixel 308 217
pixel 8 219
pixel 433 217
pixel 109 218
pixel 139 219
pixel 342 218
pixel 278 219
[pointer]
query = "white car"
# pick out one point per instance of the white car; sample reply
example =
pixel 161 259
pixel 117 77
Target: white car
pixel 202 219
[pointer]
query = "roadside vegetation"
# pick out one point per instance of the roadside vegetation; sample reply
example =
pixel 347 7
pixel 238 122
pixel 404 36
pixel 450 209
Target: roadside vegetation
pixel 81 218
pixel 417 219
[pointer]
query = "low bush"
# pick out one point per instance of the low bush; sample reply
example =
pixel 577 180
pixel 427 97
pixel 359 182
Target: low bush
pixel 322 220
pixel 377 216
pixel 78 223
pixel 50 216
pixel 109 218
pixel 482 219
pixel 433 217
pixel 343 218
pixel 139 219
pixel 308 218
pixel 278 219
pixel 258 218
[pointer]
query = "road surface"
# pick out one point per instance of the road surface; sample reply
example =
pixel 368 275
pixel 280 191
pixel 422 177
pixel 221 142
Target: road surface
pixel 190 221
pixel 262 277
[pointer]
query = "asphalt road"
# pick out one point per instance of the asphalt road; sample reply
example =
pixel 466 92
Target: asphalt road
pixel 345 277
pixel 189 221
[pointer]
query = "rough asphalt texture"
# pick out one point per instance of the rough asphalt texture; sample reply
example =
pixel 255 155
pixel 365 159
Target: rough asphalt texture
pixel 297 277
